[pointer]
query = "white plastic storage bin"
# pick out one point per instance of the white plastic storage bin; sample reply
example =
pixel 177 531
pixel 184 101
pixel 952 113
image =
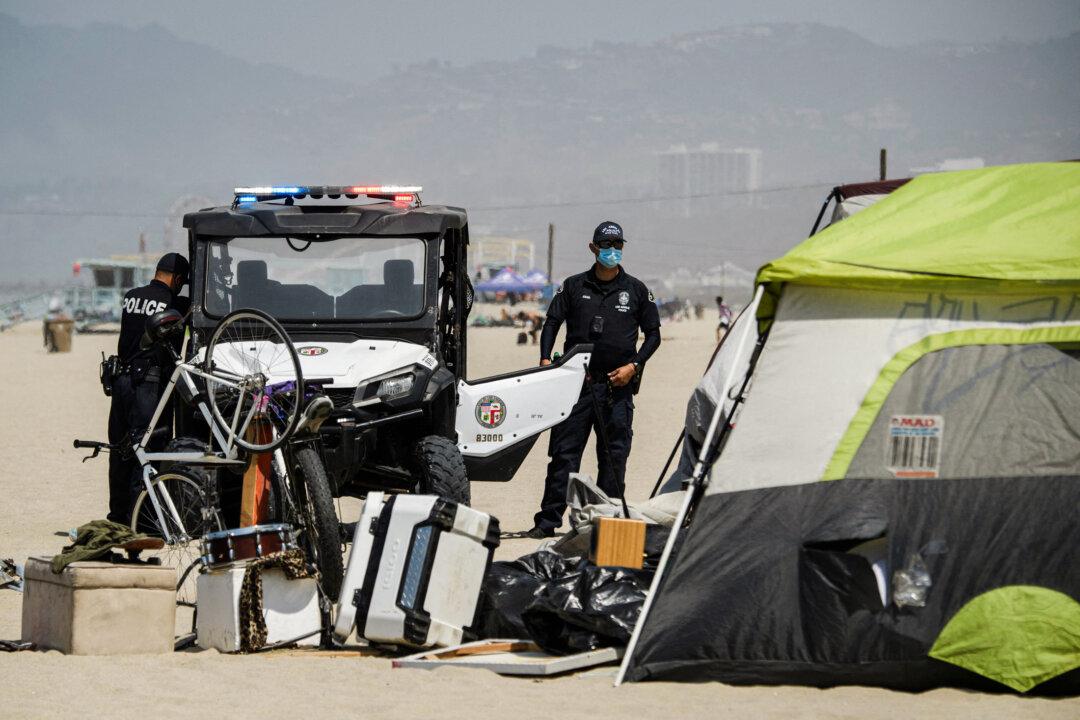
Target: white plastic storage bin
pixel 290 608
pixel 415 570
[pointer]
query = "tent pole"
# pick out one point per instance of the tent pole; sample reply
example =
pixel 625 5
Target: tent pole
pixel 663 473
pixel 682 434
pixel 828 198
pixel 696 483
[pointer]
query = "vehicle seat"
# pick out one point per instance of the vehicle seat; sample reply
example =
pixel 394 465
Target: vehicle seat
pixel 359 301
pixel 252 286
pixel 401 292
pixel 304 301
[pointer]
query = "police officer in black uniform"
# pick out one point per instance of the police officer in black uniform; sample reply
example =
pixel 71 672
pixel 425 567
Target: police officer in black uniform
pixel 140 378
pixel 604 306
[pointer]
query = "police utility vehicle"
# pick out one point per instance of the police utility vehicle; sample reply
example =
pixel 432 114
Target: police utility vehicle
pixel 373 289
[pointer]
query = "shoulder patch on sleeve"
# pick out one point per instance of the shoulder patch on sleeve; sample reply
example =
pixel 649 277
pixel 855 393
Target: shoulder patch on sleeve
pixel 651 298
pixel 558 289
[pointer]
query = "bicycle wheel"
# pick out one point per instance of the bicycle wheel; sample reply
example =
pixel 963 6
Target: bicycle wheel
pixel 183 547
pixel 320 528
pixel 257 400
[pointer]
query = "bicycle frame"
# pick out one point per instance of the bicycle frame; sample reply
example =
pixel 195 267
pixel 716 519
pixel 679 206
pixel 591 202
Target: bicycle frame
pixel 184 372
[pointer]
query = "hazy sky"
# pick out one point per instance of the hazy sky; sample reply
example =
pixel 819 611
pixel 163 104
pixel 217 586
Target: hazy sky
pixel 354 39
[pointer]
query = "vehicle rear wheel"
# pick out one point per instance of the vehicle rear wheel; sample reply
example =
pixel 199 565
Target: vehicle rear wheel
pixel 322 526
pixel 442 470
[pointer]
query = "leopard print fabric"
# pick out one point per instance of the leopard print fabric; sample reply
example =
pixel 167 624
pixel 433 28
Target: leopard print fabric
pixel 252 622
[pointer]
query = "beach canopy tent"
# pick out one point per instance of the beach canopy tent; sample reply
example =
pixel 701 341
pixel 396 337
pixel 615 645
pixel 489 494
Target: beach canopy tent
pixel 894 496
pixel 537 279
pixel 506 280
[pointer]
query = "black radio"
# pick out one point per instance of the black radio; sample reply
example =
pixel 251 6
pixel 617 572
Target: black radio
pixel 110 368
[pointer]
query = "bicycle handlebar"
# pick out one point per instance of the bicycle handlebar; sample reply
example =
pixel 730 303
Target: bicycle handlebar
pixel 92 444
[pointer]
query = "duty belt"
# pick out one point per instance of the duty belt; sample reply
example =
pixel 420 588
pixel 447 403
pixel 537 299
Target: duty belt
pixel 137 367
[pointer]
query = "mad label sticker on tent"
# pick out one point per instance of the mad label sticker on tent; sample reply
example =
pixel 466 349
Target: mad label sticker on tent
pixel 913 448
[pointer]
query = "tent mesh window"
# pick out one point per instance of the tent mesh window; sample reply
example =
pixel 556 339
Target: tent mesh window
pixel 978 411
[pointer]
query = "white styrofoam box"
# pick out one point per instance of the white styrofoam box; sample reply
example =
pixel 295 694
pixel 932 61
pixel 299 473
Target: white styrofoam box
pixel 290 608
pixel 356 565
pixel 415 570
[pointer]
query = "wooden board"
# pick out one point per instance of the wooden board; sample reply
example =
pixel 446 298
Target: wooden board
pixel 315 652
pixel 508 657
pixel 255 492
pixel 618 542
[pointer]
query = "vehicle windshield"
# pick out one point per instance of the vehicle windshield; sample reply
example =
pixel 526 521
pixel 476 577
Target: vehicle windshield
pixel 299 279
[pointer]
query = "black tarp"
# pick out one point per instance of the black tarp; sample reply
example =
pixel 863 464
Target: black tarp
pixel 563 604
pixel 763 589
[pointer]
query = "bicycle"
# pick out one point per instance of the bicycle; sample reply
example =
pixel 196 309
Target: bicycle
pixel 250 396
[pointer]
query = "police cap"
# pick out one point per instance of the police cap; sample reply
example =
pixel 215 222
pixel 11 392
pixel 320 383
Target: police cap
pixel 608 230
pixel 174 263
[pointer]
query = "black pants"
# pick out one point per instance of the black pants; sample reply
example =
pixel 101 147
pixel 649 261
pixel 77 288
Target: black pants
pixel 568 440
pixel 133 405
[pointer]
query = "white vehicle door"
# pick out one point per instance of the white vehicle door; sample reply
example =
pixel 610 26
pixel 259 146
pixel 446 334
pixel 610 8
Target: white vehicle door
pixel 500 417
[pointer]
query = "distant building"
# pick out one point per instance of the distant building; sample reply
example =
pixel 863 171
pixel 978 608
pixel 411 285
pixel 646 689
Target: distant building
pixel 707 170
pixel 950 164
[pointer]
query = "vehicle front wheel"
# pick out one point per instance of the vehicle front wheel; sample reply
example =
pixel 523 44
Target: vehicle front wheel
pixel 442 470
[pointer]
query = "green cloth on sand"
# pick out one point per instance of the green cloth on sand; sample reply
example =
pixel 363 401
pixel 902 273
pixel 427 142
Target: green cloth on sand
pixel 94 540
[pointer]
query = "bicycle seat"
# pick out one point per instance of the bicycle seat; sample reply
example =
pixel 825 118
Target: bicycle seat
pixel 161 326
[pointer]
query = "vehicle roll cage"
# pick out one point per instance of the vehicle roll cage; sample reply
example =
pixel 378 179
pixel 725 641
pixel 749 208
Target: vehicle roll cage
pixel 444 229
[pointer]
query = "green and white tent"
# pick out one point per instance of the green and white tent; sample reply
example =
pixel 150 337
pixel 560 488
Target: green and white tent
pixel 902 405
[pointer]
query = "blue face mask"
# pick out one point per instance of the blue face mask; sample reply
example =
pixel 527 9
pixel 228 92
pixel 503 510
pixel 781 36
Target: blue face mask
pixel 609 257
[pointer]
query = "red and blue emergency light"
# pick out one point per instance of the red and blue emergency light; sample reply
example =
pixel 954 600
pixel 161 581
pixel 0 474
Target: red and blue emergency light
pixel 403 195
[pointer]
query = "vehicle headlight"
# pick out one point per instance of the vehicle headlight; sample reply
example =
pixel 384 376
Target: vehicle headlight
pixel 396 386
pixel 388 386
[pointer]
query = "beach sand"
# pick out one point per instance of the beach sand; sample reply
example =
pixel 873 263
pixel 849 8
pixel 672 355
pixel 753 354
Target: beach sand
pixel 45 489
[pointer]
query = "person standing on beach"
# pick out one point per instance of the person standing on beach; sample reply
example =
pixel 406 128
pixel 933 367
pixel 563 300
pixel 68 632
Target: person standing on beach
pixel 138 385
pixel 725 318
pixel 605 307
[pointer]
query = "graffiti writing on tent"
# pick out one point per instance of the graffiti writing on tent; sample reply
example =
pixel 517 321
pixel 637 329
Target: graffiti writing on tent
pixel 920 317
pixel 939 306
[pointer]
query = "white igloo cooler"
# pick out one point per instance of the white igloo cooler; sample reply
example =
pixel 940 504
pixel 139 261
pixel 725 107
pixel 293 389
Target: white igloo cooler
pixel 414 571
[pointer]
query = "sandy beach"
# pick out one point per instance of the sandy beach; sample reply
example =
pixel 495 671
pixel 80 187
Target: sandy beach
pixel 45 489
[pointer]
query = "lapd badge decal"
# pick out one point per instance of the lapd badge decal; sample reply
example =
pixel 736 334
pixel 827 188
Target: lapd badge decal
pixel 312 350
pixel 490 411
pixel 624 298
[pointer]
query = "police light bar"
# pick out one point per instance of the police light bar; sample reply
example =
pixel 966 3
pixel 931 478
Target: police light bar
pixel 271 190
pixel 384 189
pixel 398 193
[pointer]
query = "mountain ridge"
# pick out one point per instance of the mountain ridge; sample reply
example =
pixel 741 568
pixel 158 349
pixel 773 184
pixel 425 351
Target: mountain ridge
pixel 104 117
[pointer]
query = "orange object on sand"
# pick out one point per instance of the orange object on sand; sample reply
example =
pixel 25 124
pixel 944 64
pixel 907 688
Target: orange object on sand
pixel 255 493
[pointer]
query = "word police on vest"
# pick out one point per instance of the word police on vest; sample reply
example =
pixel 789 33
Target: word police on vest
pixel 142 306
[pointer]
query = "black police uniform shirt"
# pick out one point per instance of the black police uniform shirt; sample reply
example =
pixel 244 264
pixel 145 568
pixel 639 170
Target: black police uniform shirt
pixel 139 304
pixel 625 305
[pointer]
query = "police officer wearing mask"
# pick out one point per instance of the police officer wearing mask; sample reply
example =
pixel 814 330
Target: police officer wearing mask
pixel 606 307
pixel 140 378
